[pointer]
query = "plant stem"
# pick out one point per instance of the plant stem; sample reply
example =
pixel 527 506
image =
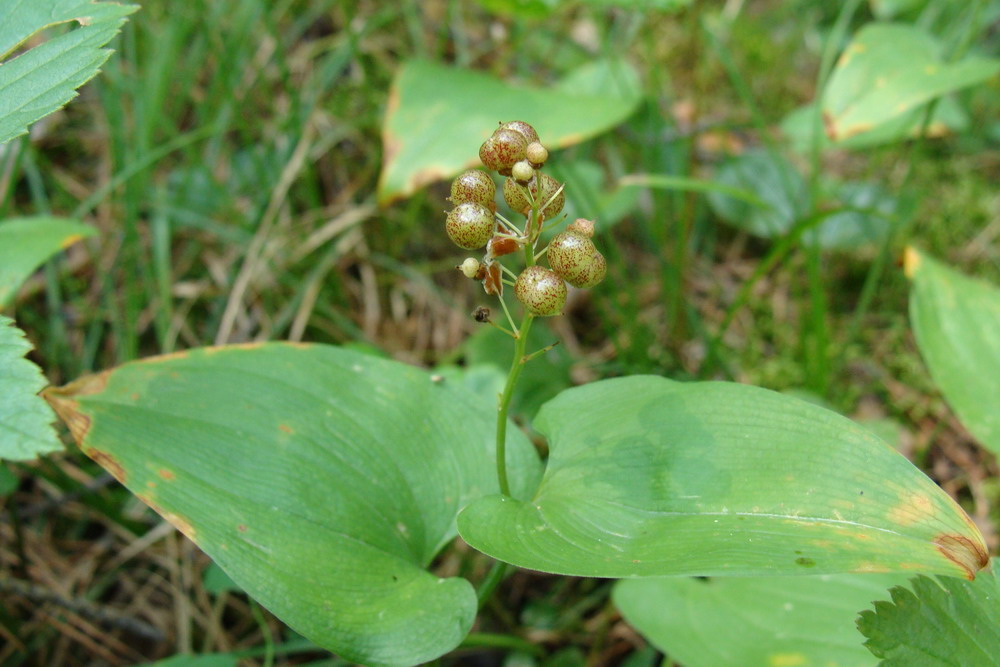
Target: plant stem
pixel 532 231
pixel 489 583
pixel 515 371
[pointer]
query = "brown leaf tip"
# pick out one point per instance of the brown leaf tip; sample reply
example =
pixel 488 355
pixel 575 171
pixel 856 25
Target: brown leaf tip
pixel 107 461
pixel 969 555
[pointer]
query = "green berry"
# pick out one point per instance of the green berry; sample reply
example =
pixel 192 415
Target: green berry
pixel 470 225
pixel 541 291
pixel 542 187
pixel 522 172
pixel 516 196
pixel 581 226
pixel 471 267
pixel 574 258
pixel 593 274
pixel 474 185
pixel 536 154
pixel 502 150
pixel 525 129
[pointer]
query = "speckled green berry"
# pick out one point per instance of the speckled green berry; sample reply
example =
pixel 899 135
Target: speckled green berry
pixel 541 291
pixel 542 187
pixel 470 225
pixel 524 128
pixel 593 274
pixel 574 257
pixel 474 185
pixel 502 150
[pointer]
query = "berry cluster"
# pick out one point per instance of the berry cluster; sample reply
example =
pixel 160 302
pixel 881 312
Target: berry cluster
pixel 515 152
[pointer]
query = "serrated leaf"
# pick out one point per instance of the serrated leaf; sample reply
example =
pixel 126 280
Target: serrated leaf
pixel 27 242
pixel 438 116
pixel 889 70
pixel 323 481
pixel 44 78
pixel 767 620
pixel 956 320
pixel 944 622
pixel 649 477
pixel 25 420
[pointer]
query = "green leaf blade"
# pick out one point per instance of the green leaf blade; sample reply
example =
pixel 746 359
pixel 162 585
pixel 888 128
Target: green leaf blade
pixel 887 71
pixel 437 118
pixel 322 481
pixel 25 420
pixel 650 477
pixel 768 620
pixel 956 320
pixel 43 79
pixel 27 242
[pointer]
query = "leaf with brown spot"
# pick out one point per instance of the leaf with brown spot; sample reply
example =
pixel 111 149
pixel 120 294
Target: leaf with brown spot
pixel 892 69
pixel 438 116
pixel 332 523
pixel 650 477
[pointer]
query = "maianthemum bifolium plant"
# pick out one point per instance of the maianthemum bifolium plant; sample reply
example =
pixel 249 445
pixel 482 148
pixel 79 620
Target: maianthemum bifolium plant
pixel 327 482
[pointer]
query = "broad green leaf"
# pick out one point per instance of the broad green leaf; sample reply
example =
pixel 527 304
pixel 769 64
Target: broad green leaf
pixel 889 70
pixel 854 214
pixel 956 320
pixel 649 477
pixel 945 622
pixel 773 181
pixel 767 620
pixel 25 243
pixel 323 481
pixel 44 78
pixel 887 9
pixel 947 117
pixel 25 420
pixel 438 116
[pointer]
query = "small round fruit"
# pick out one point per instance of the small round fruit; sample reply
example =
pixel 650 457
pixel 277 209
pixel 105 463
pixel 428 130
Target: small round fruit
pixel 581 226
pixel 570 255
pixel 593 274
pixel 503 149
pixel 516 196
pixel 470 225
pixel 541 291
pixel 536 154
pixel 522 172
pixel 471 267
pixel 474 185
pixel 524 128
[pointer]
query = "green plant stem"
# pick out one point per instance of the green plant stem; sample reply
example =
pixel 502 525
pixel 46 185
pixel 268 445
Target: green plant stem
pixel 490 582
pixel 484 639
pixel 516 366
pixel 533 229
